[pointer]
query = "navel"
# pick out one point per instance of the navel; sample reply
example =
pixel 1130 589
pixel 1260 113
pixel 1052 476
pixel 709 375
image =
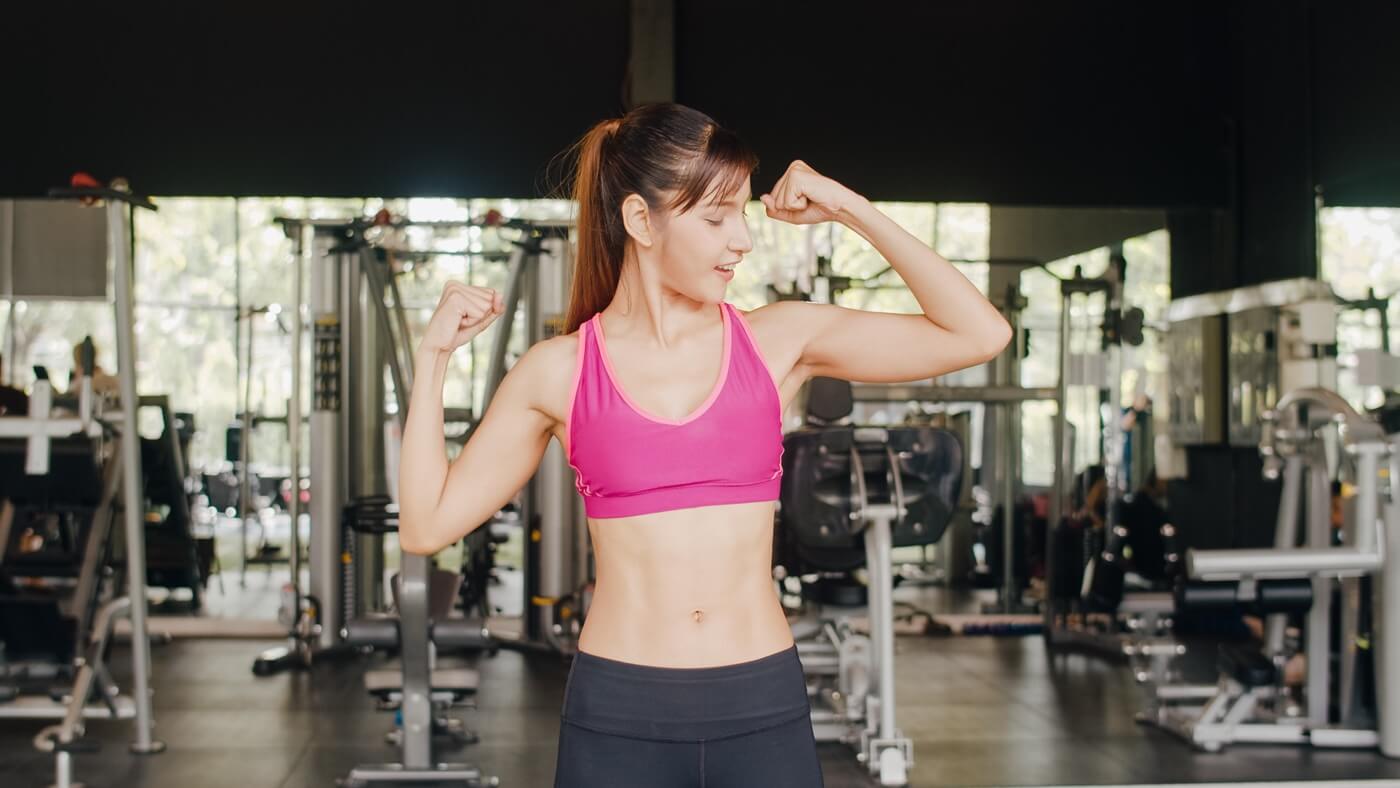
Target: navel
pixel 697 614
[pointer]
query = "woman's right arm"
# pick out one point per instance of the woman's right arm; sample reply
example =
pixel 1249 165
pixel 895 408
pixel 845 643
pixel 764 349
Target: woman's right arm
pixel 439 505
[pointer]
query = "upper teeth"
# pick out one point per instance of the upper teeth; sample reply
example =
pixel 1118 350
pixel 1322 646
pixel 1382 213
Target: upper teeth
pixel 729 267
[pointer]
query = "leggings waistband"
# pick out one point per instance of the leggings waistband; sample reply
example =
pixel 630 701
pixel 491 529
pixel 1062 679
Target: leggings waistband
pixel 684 704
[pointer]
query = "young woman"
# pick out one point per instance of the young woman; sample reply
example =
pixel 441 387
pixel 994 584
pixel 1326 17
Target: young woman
pixel 667 401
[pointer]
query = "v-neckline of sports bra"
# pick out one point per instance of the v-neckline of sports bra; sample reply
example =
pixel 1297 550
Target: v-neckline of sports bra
pixel 640 411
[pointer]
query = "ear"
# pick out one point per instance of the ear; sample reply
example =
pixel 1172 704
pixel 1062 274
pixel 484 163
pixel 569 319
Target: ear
pixel 637 220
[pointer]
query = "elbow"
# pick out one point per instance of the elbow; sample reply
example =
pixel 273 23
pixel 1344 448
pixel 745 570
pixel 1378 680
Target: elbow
pixel 417 538
pixel 415 545
pixel 995 339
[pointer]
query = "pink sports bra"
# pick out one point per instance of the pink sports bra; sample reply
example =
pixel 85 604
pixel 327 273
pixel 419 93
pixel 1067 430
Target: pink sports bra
pixel 628 462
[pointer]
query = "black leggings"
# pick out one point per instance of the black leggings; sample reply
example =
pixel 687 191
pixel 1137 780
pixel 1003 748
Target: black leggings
pixel 733 726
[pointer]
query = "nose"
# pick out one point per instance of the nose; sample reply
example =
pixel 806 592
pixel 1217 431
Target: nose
pixel 744 243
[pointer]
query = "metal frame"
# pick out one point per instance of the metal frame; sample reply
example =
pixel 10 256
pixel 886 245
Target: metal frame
pixel 1230 713
pixel 124 470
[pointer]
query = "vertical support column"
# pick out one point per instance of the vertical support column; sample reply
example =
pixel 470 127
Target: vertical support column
pixel 561 566
pixel 414 642
pixel 1057 494
pixel 652 64
pixel 1318 643
pixel 1285 538
pixel 327 459
pixel 1385 615
pixel 119 254
pixel 300 245
pixel 365 360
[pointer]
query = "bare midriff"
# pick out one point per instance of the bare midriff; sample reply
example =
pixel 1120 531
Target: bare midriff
pixel 687 588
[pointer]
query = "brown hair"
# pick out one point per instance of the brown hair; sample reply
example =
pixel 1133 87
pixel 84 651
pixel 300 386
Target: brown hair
pixel 652 150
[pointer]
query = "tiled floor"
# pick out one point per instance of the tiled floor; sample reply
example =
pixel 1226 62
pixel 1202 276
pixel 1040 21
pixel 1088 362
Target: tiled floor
pixel 981 711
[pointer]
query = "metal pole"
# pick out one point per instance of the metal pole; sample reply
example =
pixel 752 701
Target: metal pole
pixel 405 339
pixel 880 609
pixel 375 287
pixel 1057 494
pixel 1285 538
pixel 1385 595
pixel 327 433
pixel 414 635
pixel 1009 596
pixel 1113 424
pixel 496 366
pixel 300 245
pixel 245 492
pixel 132 501
pixel 1317 636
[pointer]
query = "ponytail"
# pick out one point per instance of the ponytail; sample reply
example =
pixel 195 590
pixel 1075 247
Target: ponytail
pixel 671 156
pixel 598 254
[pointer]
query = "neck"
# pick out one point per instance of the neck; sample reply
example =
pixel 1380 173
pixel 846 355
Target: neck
pixel 646 310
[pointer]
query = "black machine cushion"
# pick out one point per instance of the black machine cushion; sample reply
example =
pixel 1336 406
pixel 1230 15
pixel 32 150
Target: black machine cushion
pixel 1246 665
pixel 818 490
pixel 1271 596
pixel 74 477
pixel 829 400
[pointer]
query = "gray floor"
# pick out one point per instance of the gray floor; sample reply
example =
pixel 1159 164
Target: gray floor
pixel 982 711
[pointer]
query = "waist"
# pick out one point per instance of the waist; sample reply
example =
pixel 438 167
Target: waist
pixel 684 704
pixel 686 636
pixel 662 499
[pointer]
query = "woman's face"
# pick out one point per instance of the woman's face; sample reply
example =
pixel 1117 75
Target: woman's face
pixel 694 245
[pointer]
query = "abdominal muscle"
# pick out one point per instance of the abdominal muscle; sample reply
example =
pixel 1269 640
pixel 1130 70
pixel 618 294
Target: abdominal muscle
pixel 687 588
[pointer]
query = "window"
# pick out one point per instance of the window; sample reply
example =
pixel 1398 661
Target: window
pixel 1360 248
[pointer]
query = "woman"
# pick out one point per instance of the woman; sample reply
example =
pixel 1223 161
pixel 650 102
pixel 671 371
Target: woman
pixel 667 402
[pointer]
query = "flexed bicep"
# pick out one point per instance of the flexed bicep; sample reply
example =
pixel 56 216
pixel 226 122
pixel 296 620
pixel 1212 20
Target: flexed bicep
pixel 500 457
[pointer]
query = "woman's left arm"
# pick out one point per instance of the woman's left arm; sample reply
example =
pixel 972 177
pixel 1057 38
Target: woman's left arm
pixel 959 327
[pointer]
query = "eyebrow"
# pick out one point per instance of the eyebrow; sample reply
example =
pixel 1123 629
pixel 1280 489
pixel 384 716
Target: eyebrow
pixel 733 201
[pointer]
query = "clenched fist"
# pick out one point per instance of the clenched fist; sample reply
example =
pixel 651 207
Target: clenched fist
pixel 463 312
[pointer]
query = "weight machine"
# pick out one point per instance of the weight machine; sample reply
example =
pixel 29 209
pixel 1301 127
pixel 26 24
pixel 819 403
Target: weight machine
pixel 94 695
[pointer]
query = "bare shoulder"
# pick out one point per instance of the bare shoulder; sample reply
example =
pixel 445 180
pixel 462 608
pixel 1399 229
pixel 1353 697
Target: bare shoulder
pixel 545 373
pixel 781 329
pixel 789 316
pixel 786 325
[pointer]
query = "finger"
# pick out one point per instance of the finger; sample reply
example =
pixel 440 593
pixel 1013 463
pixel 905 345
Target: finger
pixel 496 301
pixel 770 205
pixel 477 310
pixel 780 191
pixel 473 296
pixel 472 307
pixel 795 199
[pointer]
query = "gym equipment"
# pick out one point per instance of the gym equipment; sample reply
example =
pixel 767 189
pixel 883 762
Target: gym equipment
pixel 1231 354
pixel 46 440
pixel 850 495
pixel 240 434
pixel 356 335
pixel 1000 473
pixel 1073 555
pixel 175 558
pixel 303 611
pixel 1251 702
pixel 1007 400
pixel 419 689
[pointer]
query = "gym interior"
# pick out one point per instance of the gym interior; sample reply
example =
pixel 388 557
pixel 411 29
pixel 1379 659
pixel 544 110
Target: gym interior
pixel 1154 542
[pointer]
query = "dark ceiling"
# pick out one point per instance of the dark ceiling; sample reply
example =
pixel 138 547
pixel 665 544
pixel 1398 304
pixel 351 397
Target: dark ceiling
pixel 1153 103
